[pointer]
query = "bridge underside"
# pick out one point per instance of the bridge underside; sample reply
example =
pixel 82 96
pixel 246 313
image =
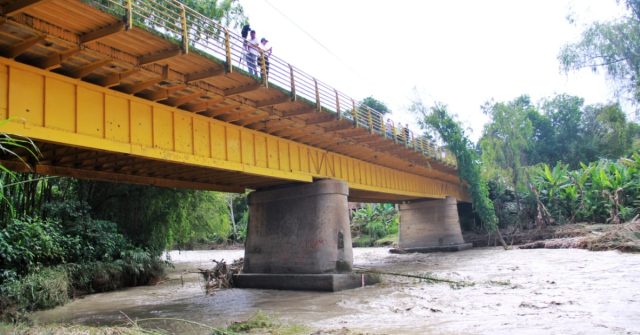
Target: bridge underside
pixel 75 162
pixel 88 129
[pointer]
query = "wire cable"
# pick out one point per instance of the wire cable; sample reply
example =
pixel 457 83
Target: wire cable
pixel 349 67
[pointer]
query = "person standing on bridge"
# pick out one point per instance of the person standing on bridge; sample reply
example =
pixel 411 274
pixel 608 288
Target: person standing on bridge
pixel 253 50
pixel 244 33
pixel 265 46
pixel 406 133
pixel 389 128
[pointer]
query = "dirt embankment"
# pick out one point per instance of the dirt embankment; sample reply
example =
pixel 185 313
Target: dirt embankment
pixel 624 237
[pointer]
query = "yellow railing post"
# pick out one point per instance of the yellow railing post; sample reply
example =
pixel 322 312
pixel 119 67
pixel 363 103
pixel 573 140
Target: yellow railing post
pixel 337 103
pixel 185 30
pixel 227 49
pixel 129 17
pixel 370 120
pixel 293 83
pixel 354 112
pixel 383 127
pixel 263 69
pixel 395 134
pixel 318 106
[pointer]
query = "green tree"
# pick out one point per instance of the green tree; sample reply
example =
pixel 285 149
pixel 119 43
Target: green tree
pixel 159 218
pixel 607 133
pixel 229 13
pixel 541 149
pixel 612 46
pixel 375 104
pixel 565 114
pixel 505 141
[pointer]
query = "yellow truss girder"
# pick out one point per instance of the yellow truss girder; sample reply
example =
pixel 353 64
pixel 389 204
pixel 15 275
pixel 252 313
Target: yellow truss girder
pixel 49 107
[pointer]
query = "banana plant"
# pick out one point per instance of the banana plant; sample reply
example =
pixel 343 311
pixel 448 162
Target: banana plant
pixel 551 184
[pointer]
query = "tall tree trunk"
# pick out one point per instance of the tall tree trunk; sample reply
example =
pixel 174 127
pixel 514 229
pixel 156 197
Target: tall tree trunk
pixel 233 219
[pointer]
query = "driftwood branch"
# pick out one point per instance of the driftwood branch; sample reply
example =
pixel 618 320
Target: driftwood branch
pixel 423 277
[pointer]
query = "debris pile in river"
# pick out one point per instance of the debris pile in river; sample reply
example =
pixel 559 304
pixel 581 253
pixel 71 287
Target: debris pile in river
pixel 624 237
pixel 221 275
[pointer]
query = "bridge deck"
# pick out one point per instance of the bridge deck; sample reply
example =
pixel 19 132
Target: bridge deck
pixel 124 50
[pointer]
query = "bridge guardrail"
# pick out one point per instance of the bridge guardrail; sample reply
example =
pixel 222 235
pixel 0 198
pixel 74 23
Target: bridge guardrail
pixel 195 32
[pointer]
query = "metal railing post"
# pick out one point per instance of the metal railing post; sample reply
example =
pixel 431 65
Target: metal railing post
pixel 293 83
pixel 129 17
pixel 185 30
pixel 318 106
pixel 263 69
pixel 395 134
pixel 354 112
pixel 337 103
pixel 227 49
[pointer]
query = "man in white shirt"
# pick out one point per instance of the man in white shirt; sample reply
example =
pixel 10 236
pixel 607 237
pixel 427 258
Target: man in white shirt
pixel 266 52
pixel 252 53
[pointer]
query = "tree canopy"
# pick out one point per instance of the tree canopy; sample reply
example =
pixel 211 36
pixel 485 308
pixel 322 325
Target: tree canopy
pixel 227 12
pixel 613 46
pixel 375 104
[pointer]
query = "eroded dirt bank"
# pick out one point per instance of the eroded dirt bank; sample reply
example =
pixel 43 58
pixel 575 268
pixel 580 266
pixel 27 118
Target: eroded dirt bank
pixel 559 291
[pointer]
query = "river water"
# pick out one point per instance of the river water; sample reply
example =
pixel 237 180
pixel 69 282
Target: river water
pixel 539 291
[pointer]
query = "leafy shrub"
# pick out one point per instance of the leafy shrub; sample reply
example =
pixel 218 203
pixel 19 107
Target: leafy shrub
pixel 89 256
pixel 46 288
pixel 26 245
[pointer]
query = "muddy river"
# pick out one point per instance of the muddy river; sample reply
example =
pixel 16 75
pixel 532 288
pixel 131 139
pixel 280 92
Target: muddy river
pixel 538 291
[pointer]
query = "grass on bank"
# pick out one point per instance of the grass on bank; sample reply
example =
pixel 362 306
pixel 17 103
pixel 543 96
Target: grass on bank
pixel 259 323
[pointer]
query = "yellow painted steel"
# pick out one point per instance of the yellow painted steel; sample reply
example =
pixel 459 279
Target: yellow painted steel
pixel 50 107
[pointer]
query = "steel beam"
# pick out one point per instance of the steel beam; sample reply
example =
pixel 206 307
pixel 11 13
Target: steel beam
pixel 52 108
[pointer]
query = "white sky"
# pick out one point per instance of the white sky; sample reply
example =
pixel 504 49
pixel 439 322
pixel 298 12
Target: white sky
pixel 459 52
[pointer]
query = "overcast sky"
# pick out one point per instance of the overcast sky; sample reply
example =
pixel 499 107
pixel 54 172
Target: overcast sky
pixel 459 52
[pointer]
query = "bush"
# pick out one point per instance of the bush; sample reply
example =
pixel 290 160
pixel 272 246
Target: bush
pixel 45 289
pixel 26 245
pixel 363 241
pixel 136 267
pixel 42 264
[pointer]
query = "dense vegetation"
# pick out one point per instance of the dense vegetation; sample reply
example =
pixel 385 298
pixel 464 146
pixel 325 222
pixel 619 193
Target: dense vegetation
pixel 60 237
pixel 557 161
pixel 374 224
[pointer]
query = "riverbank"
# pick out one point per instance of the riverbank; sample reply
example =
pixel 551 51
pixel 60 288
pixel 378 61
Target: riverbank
pixel 623 237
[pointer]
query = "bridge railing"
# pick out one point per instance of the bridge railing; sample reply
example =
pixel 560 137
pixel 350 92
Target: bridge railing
pixel 196 33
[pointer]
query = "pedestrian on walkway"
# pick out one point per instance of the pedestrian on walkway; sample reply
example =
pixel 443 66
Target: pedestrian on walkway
pixel 265 46
pixel 253 50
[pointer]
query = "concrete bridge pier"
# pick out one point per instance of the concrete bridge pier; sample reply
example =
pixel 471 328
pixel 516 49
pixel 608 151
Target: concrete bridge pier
pixel 299 239
pixel 431 225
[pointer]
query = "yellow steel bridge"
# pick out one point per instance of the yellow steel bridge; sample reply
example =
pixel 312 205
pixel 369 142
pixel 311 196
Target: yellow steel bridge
pixel 152 92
